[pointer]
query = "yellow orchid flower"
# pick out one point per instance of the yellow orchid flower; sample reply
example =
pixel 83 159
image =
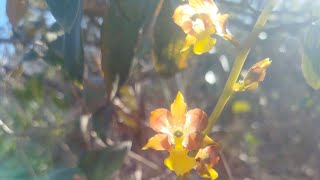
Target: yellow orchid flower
pixel 176 127
pixel 179 132
pixel 199 20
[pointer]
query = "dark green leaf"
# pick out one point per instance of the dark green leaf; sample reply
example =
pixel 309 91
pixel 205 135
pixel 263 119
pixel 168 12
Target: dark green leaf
pixel 65 12
pixel 103 163
pixel 67 50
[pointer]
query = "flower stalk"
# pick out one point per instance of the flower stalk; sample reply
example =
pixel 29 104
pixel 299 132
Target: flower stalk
pixel 238 64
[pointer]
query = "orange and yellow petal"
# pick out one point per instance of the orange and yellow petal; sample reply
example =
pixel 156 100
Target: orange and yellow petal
pixel 204 6
pixel 206 172
pixel 196 121
pixel 158 142
pixel 210 152
pixel 197 141
pixel 179 161
pixel 182 17
pixel 178 110
pixel 160 120
pixel 221 26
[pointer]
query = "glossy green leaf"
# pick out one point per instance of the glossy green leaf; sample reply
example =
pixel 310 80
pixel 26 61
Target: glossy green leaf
pixel 101 164
pixel 65 12
pixel 311 58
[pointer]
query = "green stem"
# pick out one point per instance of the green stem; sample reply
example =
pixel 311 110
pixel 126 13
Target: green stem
pixel 238 64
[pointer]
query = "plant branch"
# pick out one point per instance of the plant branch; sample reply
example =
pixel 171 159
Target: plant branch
pixel 238 64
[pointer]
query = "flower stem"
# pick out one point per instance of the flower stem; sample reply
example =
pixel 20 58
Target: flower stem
pixel 238 64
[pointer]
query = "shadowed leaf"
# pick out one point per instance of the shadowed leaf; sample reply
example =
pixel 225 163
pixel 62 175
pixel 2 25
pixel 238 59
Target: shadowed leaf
pixel 119 35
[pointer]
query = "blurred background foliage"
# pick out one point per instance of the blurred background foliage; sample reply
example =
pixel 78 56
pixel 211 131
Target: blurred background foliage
pixel 78 79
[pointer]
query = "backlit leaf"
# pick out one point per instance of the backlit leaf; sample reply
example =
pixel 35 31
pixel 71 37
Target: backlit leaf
pixel 311 58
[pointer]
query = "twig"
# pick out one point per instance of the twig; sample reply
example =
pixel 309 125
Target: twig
pixel 226 165
pixel 5 127
pixel 143 160
pixel 155 15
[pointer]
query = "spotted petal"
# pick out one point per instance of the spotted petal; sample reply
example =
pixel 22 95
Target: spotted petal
pixel 210 152
pixel 206 172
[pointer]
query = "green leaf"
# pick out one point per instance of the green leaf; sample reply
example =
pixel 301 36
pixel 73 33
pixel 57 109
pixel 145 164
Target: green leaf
pixel 67 50
pixel 65 12
pixel 311 58
pixel 101 164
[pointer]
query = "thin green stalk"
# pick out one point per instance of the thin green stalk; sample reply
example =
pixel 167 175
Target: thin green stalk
pixel 238 64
